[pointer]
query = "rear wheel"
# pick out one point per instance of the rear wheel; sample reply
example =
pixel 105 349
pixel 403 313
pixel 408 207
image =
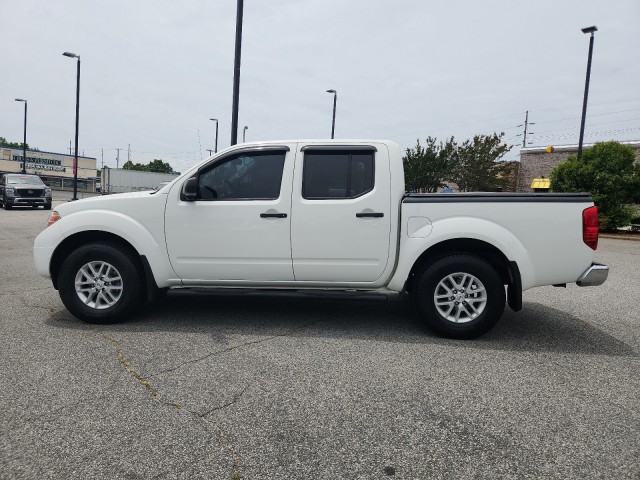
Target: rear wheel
pixel 100 283
pixel 460 296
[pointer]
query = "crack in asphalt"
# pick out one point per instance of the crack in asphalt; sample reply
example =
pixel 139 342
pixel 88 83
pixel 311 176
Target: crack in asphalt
pixel 55 411
pixel 228 404
pixel 125 363
pixel 235 347
pixel 24 303
pixel 222 439
pixel 235 475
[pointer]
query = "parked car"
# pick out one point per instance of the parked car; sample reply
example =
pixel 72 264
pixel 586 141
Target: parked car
pixel 321 215
pixel 22 190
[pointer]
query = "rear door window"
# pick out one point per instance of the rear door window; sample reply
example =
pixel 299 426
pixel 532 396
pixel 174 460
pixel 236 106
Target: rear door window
pixel 337 174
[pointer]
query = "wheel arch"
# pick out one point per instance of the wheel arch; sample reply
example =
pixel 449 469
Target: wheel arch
pixel 72 242
pixel 507 269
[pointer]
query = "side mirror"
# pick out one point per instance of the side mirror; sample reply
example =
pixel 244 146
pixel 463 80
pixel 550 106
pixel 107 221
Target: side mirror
pixel 189 190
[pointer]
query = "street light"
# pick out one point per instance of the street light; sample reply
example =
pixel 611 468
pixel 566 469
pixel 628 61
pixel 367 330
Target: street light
pixel 75 159
pixel 333 123
pixel 216 147
pixel 591 31
pixel 236 74
pixel 244 133
pixel 24 143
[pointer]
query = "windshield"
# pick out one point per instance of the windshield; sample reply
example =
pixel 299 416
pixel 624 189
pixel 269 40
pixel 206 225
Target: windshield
pixel 23 180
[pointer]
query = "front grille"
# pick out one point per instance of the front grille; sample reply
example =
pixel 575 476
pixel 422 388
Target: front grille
pixel 29 192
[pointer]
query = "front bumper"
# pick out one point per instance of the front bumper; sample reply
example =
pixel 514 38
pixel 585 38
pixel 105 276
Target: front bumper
pixel 18 201
pixel 595 275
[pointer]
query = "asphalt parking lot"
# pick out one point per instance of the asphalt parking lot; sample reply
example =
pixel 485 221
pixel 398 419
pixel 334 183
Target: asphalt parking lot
pixel 285 387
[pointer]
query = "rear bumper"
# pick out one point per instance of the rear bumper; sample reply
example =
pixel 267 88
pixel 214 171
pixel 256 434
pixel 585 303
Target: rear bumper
pixel 595 275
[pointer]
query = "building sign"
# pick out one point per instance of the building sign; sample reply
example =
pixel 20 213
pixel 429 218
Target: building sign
pixel 49 164
pixel 35 163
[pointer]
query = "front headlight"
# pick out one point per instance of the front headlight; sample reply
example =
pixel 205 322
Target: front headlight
pixel 47 192
pixel 9 191
pixel 53 218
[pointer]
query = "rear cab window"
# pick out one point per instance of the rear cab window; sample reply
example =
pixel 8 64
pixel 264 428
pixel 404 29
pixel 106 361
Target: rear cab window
pixel 336 174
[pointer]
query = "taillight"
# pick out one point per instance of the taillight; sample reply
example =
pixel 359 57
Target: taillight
pixel 590 227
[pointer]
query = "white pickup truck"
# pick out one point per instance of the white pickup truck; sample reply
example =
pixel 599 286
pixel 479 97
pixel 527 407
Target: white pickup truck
pixel 321 215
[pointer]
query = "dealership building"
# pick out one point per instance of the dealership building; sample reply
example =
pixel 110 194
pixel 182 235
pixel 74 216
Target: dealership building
pixel 55 169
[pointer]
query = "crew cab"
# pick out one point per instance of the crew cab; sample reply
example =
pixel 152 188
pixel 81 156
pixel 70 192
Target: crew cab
pixel 320 215
pixel 22 190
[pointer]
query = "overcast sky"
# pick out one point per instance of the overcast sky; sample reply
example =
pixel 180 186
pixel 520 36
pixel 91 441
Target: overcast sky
pixel 154 72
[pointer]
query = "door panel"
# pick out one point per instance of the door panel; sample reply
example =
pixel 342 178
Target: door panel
pixel 336 238
pixel 224 235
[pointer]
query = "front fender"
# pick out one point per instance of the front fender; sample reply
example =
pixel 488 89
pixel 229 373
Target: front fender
pixel 144 240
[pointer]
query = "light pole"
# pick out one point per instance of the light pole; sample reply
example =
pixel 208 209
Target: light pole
pixel 244 133
pixel 590 30
pixel 24 143
pixel 75 159
pixel 216 147
pixel 333 123
pixel 236 75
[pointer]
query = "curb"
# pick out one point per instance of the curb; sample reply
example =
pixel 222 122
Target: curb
pixel 621 237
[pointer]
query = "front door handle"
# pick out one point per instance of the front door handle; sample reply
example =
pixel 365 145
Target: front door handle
pixel 369 214
pixel 273 215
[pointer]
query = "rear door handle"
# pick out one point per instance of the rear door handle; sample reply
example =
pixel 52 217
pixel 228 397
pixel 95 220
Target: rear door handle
pixel 370 215
pixel 273 215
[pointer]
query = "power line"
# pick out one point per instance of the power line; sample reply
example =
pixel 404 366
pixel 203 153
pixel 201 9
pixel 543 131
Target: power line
pixel 592 104
pixel 592 125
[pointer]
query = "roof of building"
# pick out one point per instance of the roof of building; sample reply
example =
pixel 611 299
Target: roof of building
pixel 42 151
pixel 572 148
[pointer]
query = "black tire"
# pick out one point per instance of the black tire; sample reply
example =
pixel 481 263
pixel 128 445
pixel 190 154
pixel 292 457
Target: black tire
pixel 106 308
pixel 7 206
pixel 47 206
pixel 470 313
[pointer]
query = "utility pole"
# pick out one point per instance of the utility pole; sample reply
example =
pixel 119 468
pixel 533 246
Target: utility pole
pixel 210 151
pixel 526 125
pixel 70 153
pixel 118 159
pixel 103 158
pixel 129 153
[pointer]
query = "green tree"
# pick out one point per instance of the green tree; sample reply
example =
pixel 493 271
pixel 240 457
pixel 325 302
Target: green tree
pixel 477 166
pixel 157 166
pixel 607 171
pixel 425 168
pixel 129 165
pixel 5 143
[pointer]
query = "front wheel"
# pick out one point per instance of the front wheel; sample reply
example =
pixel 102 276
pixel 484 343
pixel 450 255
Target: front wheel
pixel 100 283
pixel 460 296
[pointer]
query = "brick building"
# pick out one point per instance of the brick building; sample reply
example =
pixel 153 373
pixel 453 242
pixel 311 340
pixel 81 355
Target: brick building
pixel 537 163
